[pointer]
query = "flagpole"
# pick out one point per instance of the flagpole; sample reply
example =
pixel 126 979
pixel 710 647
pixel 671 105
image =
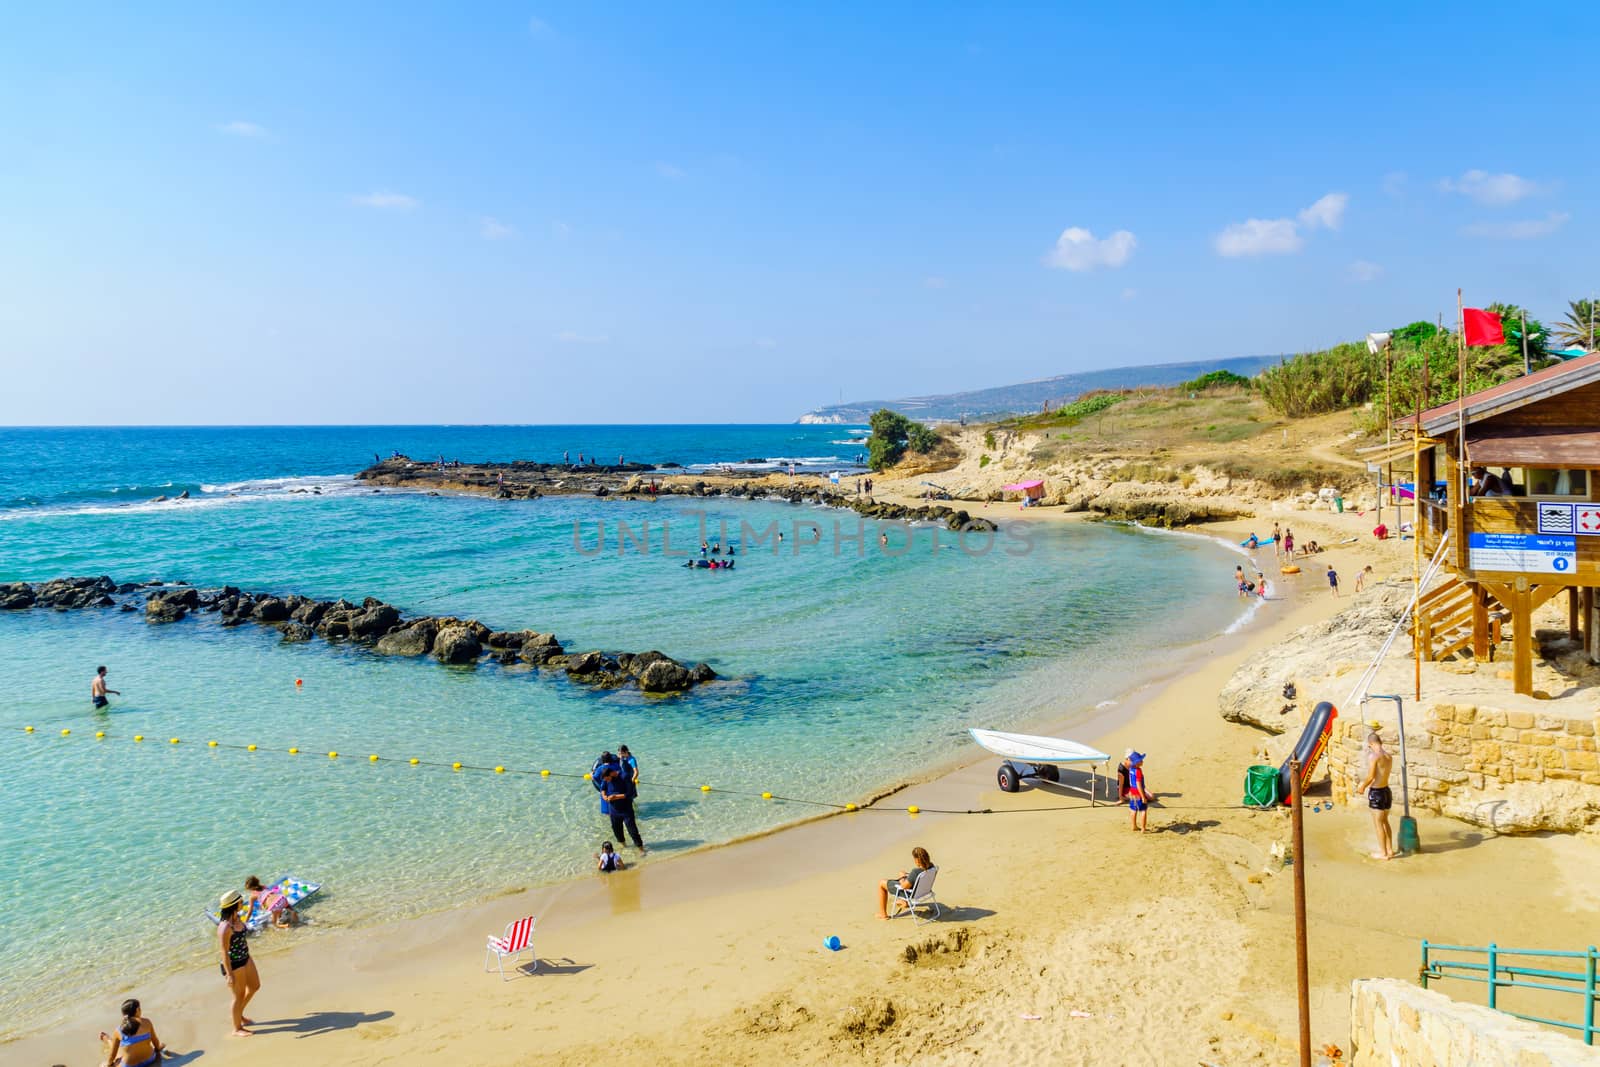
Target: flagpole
pixel 1461 404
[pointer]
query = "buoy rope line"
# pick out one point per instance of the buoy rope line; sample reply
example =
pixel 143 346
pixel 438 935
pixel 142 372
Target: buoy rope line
pixel 334 754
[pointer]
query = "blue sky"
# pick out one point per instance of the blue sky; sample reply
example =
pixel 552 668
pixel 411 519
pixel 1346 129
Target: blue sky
pixel 508 213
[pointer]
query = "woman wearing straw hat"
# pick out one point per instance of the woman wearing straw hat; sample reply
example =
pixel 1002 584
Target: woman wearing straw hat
pixel 238 969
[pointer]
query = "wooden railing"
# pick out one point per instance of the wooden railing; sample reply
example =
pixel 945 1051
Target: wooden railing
pixel 1435 521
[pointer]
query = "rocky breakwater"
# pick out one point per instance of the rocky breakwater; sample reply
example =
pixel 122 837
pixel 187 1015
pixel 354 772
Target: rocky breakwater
pixel 381 627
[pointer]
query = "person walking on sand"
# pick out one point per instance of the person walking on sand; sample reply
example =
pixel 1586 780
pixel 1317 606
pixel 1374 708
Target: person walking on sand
pixel 1138 792
pixel 1333 581
pixel 238 969
pixel 905 880
pixel 1375 787
pixel 1288 544
pixel 98 690
pixel 1361 577
pixel 1277 540
pixel 619 795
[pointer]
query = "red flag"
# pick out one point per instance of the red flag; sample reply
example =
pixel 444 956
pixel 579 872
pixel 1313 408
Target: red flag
pixel 1482 327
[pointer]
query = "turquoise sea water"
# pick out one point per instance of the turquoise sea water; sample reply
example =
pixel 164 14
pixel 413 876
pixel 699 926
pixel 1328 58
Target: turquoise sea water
pixel 846 669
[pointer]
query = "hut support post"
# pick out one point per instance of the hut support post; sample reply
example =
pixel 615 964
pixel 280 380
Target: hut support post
pixel 1480 622
pixel 1522 641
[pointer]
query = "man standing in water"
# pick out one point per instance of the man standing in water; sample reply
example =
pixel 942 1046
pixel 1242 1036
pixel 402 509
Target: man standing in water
pixel 98 690
pixel 1375 787
pixel 619 794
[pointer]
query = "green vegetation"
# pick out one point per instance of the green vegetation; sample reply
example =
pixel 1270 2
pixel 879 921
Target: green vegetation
pixel 983 460
pixel 1347 375
pixel 892 435
pixel 1217 379
pixel 1577 328
pixel 988 440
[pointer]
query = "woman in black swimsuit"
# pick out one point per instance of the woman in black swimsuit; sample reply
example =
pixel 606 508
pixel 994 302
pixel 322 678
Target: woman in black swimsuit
pixel 238 969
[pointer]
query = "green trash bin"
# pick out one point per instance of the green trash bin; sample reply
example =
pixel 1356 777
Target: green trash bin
pixel 1338 503
pixel 1261 787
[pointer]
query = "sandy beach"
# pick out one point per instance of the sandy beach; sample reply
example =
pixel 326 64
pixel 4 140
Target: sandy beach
pixel 1066 937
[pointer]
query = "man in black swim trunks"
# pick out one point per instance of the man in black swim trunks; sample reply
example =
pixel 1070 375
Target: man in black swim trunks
pixel 98 690
pixel 1375 787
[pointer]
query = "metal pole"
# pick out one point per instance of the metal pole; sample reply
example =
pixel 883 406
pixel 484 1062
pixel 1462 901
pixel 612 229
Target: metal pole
pixel 1527 368
pixel 1407 839
pixel 1302 967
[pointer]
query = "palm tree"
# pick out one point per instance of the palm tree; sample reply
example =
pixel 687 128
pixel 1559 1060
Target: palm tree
pixel 1578 328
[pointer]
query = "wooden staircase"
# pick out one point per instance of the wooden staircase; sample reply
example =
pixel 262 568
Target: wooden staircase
pixel 1444 615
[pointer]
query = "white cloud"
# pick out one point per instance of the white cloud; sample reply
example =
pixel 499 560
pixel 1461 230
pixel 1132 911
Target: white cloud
pixel 1129 294
pixel 573 337
pixel 1259 237
pixel 1280 237
pixel 492 229
pixel 669 170
pixel 933 281
pixel 1079 250
pixel 1523 230
pixel 766 342
pixel 240 128
pixel 384 200
pixel 1488 188
pixel 1394 183
pixel 1328 211
pixel 1363 271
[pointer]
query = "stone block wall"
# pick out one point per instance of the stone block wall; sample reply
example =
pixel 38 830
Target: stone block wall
pixel 1400 1024
pixel 1511 771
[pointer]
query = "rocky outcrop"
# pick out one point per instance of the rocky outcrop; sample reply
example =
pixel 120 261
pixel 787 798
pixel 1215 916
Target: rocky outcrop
pixel 372 624
pixel 1165 512
pixel 456 644
pixel 1311 658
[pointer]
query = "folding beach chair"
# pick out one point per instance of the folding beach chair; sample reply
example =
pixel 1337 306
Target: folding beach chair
pixel 518 939
pixel 919 895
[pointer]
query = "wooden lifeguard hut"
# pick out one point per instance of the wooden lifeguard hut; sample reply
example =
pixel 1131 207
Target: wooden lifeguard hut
pixel 1514 474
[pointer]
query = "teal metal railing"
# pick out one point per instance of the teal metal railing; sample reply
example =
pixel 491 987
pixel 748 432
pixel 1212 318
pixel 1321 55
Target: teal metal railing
pixel 1519 968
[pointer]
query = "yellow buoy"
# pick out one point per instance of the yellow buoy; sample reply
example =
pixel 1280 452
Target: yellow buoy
pixel 27 729
pixel 766 796
pixel 99 733
pixel 705 789
pixel 373 757
pixel 174 741
pixel 588 777
pixel 849 807
pixel 211 744
pixel 294 752
pixel 913 809
pixel 414 762
pixel 544 774
pixel 499 770
pixel 251 748
pixel 64 733
pixel 138 737
pixel 333 755
pixel 455 766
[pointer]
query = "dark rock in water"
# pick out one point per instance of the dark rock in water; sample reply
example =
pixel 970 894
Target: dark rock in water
pixel 378 619
pixel 664 676
pixel 15 596
pixel 309 612
pixel 183 495
pixel 164 611
pixel 270 609
pixel 127 587
pixel 506 639
pixel 130 607
pixel 456 644
pixel 636 663
pixel 701 672
pixel 415 639
pixel 162 499
pixel 235 618
pixel 297 631
pixel 335 625
pixel 371 602
pixel 584 663
pixel 505 656
pixel 537 652
pixel 70 593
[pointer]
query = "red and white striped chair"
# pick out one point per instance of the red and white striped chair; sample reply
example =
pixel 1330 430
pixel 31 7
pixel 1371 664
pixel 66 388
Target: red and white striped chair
pixel 518 939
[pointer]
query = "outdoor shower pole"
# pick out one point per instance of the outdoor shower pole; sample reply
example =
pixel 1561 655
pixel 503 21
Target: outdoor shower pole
pixel 1400 710
pixel 1301 965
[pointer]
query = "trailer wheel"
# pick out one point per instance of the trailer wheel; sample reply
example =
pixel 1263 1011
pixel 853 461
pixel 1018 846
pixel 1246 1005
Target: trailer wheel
pixel 1007 777
pixel 1049 772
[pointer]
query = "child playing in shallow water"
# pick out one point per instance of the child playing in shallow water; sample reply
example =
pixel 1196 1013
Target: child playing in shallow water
pixel 283 915
pixel 608 859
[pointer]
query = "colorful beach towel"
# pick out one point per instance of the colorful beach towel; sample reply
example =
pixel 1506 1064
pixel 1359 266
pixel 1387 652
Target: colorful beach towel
pixel 292 890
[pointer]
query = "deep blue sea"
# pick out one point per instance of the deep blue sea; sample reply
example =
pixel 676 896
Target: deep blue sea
pixel 845 669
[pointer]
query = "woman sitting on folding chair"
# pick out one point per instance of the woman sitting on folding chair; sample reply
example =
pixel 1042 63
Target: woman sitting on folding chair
pixel 905 880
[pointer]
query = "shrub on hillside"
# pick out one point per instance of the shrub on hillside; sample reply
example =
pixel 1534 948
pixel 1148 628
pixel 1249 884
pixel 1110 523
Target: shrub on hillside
pixel 1217 379
pixel 892 435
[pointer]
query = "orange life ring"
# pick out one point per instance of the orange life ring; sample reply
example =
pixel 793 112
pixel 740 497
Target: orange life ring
pixel 1290 568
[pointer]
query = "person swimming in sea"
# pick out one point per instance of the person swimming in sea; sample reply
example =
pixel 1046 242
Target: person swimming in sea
pixel 98 690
